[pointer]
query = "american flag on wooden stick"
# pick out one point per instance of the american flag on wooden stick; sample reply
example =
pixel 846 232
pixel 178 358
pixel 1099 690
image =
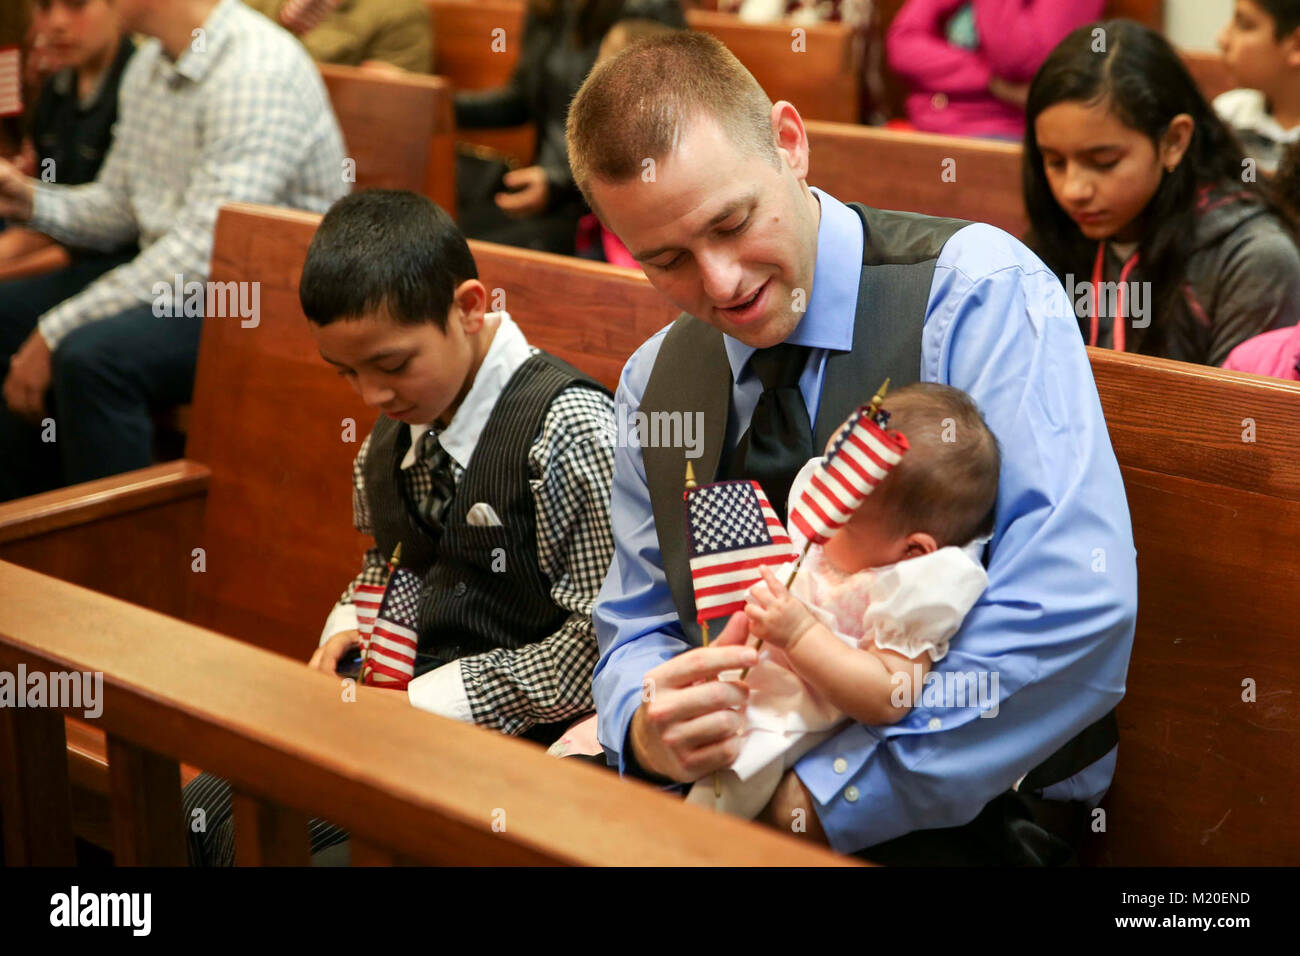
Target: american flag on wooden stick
pixel 390 661
pixel 366 599
pixel 861 456
pixel 732 532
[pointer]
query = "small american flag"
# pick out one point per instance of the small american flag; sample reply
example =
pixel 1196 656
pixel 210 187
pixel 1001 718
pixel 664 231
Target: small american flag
pixel 393 636
pixel 366 599
pixel 861 456
pixel 732 532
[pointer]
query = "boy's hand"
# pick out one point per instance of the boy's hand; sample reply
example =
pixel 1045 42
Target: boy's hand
pixel 327 655
pixel 28 378
pixel 775 615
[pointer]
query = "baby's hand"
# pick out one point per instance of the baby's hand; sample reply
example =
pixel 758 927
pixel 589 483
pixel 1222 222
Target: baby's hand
pixel 775 615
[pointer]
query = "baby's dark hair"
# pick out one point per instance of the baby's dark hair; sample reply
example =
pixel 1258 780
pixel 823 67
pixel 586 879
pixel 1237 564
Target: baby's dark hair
pixel 385 249
pixel 947 482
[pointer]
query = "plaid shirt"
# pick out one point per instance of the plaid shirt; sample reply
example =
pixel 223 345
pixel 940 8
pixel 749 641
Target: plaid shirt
pixel 241 116
pixel 570 466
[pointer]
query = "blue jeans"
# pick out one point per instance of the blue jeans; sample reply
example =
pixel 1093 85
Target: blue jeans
pixel 107 378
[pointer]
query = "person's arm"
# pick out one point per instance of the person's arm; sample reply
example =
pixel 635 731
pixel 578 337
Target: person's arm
pixel 1016 36
pixel 1258 290
pixel 860 682
pixel 261 131
pixel 503 105
pixel 1051 636
pixel 661 713
pixel 919 53
pixel 550 680
pixel 340 630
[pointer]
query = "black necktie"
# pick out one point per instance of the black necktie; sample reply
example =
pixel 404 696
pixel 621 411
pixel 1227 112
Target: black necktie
pixel 779 438
pixel 433 506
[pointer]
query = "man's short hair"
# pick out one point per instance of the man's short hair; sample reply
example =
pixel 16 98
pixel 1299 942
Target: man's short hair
pixel 634 106
pixel 947 483
pixel 385 249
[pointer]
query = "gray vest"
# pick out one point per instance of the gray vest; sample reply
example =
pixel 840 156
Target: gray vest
pixel 691 372
pixel 483 587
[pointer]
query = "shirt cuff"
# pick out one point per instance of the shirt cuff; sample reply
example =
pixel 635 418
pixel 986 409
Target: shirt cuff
pixel 342 618
pixel 46 203
pixel 442 692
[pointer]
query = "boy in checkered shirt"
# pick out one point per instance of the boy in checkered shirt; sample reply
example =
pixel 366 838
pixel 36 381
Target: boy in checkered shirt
pixel 490 464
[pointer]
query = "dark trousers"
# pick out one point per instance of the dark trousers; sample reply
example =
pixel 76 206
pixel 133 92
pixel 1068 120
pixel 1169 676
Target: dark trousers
pixel 107 378
pixel 213 844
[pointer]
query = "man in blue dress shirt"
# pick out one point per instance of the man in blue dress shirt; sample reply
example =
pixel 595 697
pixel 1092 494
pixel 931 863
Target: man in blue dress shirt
pixel 703 178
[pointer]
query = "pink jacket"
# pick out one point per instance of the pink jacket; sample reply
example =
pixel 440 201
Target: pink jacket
pixel 1274 353
pixel 950 85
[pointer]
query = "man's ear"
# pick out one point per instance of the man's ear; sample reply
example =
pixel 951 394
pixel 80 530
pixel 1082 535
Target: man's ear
pixel 469 305
pixel 1173 145
pixel 791 137
pixel 918 543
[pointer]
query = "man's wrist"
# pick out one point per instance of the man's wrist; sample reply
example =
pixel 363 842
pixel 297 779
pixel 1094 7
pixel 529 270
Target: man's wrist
pixel 632 765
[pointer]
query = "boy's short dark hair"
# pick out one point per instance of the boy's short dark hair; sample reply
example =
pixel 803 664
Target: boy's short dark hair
pixel 385 249
pixel 1285 14
pixel 947 482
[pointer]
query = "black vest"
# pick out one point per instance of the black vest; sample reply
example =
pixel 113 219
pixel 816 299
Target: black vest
pixel 483 588
pixel 691 373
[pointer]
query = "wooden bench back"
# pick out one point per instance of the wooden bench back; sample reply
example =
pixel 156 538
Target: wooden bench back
pixel 398 130
pixel 818 69
pixel 1210 72
pixel 953 176
pixel 408 786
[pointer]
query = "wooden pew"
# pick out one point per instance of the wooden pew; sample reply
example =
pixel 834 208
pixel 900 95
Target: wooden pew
pixel 818 69
pixel 398 129
pixel 476 44
pixel 954 176
pixel 1214 521
pixel 408 786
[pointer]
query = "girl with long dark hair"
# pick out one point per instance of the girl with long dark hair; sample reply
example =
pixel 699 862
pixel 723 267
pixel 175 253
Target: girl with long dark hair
pixel 1141 201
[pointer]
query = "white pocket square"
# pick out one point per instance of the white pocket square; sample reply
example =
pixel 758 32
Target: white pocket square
pixel 483 516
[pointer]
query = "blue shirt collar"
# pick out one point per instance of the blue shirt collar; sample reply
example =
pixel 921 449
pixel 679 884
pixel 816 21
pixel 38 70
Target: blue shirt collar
pixel 828 323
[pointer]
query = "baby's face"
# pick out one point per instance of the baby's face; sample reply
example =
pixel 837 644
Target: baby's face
pixel 865 542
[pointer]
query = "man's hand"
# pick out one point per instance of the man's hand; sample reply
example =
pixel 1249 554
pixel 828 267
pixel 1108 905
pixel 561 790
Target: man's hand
pixel 530 192
pixel 15 193
pixel 29 378
pixel 687 726
pixel 775 615
pixel 784 809
pixel 327 655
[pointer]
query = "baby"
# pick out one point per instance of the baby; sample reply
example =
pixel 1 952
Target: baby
pixel 871 610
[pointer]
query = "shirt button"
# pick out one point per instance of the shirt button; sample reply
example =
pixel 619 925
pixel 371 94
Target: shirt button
pixel 460 589
pixel 935 723
pixel 840 765
pixel 851 794
pixel 939 101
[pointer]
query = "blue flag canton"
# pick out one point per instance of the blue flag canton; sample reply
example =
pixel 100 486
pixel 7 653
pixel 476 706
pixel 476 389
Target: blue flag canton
pixel 725 516
pixel 402 599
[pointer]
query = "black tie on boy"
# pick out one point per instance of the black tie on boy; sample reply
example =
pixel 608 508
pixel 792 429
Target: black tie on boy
pixel 779 438
pixel 432 508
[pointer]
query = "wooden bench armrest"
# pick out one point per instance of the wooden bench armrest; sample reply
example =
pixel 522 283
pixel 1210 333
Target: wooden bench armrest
pixel 104 498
